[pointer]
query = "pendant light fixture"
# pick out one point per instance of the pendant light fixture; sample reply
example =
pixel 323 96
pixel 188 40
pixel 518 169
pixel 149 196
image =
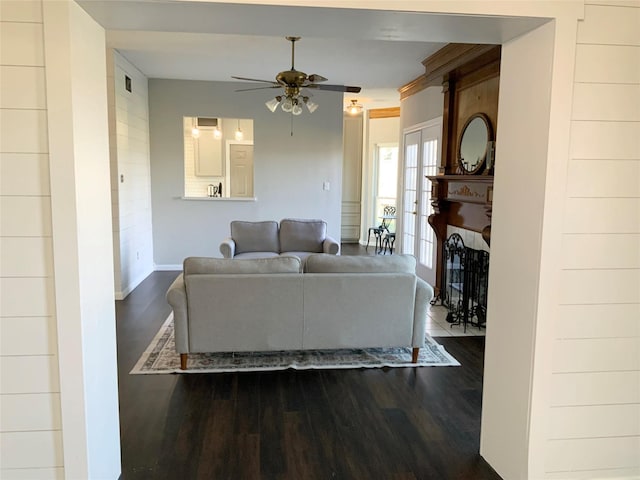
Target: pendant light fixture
pixel 239 134
pixel 355 108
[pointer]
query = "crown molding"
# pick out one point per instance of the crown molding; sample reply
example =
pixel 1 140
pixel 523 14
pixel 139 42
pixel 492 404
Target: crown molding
pixel 390 112
pixel 447 61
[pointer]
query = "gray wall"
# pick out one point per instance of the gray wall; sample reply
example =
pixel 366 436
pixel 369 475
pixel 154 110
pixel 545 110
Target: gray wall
pixel 289 170
pixel 421 107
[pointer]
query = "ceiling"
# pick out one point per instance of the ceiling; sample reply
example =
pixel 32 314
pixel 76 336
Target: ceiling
pixel 377 50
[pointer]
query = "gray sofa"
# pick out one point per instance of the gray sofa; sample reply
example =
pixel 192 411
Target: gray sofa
pixel 222 305
pixel 293 237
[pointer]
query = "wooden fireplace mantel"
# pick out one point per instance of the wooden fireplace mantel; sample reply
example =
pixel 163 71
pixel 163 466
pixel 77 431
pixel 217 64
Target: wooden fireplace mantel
pixel 462 201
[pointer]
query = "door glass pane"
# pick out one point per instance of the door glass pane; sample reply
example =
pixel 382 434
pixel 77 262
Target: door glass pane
pixel 410 193
pixel 387 184
pixel 429 167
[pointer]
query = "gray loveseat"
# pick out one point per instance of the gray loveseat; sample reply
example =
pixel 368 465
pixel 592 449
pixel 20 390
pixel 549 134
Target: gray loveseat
pixel 222 305
pixel 293 237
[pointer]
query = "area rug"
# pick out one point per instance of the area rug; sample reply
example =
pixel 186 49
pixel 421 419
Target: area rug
pixel 161 357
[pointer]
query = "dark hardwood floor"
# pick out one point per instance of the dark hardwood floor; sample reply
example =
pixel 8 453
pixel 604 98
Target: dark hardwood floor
pixel 401 423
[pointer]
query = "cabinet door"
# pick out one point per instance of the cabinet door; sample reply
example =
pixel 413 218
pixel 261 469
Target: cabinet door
pixel 241 170
pixel 208 155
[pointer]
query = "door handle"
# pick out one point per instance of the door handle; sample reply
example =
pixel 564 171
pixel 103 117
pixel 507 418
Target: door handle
pixel 414 212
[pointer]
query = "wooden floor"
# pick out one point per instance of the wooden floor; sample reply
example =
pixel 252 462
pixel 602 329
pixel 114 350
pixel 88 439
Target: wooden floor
pixel 401 424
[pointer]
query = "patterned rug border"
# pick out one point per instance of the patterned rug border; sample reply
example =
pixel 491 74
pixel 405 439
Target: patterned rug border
pixel 145 365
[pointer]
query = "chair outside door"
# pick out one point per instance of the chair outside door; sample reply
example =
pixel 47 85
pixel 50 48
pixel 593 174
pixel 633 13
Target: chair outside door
pixel 381 232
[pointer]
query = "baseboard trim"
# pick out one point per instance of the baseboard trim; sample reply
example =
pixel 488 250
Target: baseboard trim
pixel 121 295
pixel 167 268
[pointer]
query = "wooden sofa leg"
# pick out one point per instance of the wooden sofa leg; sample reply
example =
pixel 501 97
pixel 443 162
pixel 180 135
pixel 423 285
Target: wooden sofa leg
pixel 183 361
pixel 414 354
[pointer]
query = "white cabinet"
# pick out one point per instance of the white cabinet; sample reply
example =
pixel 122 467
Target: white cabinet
pixel 208 154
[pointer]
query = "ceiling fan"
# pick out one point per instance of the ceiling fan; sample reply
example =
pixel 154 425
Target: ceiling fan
pixel 293 81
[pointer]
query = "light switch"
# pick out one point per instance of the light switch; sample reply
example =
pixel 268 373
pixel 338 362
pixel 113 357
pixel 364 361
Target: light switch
pixel 326 186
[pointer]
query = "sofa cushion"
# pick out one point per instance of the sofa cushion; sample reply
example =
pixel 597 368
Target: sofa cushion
pixel 298 235
pixel 255 236
pixel 204 265
pixel 246 255
pixel 360 264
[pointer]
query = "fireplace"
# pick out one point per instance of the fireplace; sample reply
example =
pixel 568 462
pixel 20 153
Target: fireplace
pixel 465 278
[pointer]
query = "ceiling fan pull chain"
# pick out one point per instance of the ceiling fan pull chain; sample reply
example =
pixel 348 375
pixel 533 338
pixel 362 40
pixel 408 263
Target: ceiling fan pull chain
pixel 291 115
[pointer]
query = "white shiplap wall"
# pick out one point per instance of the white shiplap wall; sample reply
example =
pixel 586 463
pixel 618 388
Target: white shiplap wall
pixel 130 174
pixel 594 416
pixel 30 422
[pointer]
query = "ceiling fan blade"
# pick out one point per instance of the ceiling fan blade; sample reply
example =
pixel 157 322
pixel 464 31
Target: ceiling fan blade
pixel 335 88
pixel 315 78
pixel 257 88
pixel 253 79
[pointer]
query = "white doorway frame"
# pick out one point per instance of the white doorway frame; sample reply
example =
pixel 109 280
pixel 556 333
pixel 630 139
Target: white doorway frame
pixel 515 448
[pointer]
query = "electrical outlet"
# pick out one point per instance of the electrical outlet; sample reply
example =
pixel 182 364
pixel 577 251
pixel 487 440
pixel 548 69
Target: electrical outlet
pixel 326 186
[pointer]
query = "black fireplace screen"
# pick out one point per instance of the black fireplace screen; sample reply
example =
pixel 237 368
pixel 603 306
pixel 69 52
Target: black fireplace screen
pixel 465 277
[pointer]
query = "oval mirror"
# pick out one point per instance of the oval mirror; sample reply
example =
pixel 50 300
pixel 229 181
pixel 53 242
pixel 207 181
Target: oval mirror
pixel 472 149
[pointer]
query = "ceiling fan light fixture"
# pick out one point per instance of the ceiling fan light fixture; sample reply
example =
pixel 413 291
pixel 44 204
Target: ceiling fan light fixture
pixel 311 105
pixel 293 82
pixel 287 105
pixel 273 103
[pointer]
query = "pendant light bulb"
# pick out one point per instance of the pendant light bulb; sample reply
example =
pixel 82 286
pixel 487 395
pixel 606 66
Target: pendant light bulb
pixel 273 103
pixel 311 105
pixel 239 135
pixel 287 105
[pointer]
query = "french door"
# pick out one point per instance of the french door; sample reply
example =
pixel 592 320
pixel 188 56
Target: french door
pixel 422 152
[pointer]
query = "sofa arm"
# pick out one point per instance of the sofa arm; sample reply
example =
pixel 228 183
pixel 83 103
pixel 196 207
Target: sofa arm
pixel 228 248
pixel 177 298
pixel 330 246
pixel 424 294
